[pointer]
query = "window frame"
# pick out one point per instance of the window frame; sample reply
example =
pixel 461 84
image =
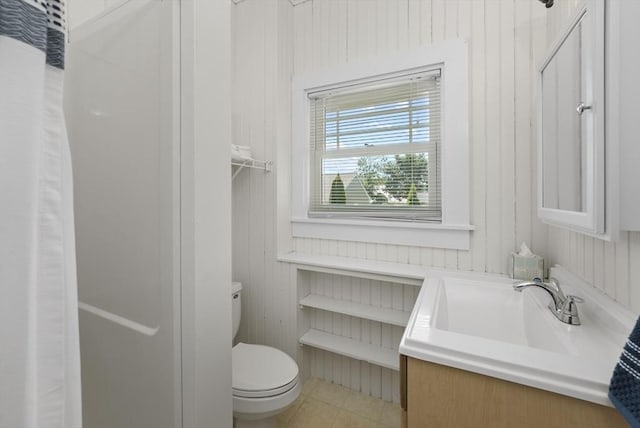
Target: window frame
pixel 430 147
pixel 454 229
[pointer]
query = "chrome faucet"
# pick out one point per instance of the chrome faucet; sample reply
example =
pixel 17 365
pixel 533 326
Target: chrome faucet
pixel 563 307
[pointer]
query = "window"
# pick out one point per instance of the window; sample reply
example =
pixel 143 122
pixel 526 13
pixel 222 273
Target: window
pixel 375 148
pixel 380 150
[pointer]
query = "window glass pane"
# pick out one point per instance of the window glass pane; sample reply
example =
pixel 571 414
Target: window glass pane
pixel 371 150
pixel 397 180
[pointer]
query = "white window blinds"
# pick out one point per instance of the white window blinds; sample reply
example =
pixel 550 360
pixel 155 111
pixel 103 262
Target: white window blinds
pixel 375 149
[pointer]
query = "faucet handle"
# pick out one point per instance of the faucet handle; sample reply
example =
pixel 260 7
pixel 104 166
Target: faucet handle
pixel 569 310
pixel 576 299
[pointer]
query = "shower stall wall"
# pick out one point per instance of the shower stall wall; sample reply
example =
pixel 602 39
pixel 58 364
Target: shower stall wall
pixel 121 90
pixel 144 171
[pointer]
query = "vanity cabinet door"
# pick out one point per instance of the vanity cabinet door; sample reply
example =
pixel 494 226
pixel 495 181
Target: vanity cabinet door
pixel 571 126
pixel 445 397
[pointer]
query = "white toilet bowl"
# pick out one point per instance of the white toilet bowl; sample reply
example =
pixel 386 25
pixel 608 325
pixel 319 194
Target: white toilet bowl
pixel 265 382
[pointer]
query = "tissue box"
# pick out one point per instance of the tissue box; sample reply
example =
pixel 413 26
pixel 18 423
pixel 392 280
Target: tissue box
pixel 527 267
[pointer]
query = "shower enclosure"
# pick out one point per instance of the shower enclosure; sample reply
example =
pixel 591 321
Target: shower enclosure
pixel 150 312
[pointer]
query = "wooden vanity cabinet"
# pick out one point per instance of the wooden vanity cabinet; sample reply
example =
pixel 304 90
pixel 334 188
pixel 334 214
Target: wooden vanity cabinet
pixel 437 396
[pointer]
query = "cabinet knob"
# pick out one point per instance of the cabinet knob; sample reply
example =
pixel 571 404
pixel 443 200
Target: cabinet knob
pixel 581 108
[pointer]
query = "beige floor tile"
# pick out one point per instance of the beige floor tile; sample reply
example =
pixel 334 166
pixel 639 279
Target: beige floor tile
pixel 283 418
pixel 310 384
pixel 313 413
pixel 327 405
pixel 390 416
pixel 330 393
pixel 364 405
pixel 346 419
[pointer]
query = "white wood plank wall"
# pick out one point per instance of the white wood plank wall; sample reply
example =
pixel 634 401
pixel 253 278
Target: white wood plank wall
pixel 262 43
pixel 505 37
pixel 507 40
pixel 612 267
pixel 273 40
pixel 358 375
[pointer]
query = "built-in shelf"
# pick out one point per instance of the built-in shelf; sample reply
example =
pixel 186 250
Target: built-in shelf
pixel 242 163
pixel 374 313
pixel 372 288
pixel 374 354
pixel 385 271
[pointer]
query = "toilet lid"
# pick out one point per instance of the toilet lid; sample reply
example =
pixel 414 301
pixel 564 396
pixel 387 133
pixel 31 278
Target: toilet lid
pixel 261 370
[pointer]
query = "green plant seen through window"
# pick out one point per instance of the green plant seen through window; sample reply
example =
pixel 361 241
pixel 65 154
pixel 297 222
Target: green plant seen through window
pixel 337 195
pixel 400 177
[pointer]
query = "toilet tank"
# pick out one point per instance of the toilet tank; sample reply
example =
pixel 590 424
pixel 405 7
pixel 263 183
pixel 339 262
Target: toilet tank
pixel 236 307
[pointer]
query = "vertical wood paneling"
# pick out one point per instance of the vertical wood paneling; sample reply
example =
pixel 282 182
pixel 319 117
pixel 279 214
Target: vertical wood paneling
pixel 506 39
pixel 437 257
pixel 579 253
pixel 426 17
pixel 610 269
pixel 507 130
pixel 451 19
pixel 413 23
pixel 257 202
pixel 383 24
pixel 303 36
pixel 539 15
pixel 438 20
pixel 241 185
pixel 477 153
pixel 492 109
pixel 340 14
pixel 273 299
pixel 598 265
pixel 463 30
pixel 621 250
pixel 524 164
pixel 588 255
pixel 402 24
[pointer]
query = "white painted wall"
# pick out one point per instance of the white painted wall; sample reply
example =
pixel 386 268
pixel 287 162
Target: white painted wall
pixel 612 267
pixel 274 40
pixel 206 215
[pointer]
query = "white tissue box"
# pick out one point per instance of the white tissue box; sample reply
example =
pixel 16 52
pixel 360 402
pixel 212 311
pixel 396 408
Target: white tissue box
pixel 526 267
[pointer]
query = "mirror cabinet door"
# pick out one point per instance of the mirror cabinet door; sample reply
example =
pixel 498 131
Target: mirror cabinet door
pixel 563 186
pixel 570 162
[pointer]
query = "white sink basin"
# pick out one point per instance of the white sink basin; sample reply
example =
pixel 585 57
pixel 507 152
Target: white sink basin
pixel 479 323
pixel 493 310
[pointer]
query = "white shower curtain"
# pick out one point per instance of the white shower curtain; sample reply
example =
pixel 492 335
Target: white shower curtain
pixel 39 344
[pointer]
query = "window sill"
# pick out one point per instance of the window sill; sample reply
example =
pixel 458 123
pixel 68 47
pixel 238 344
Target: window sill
pixel 384 232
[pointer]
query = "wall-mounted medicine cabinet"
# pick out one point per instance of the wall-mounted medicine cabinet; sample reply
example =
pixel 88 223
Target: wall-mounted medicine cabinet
pixel 588 158
pixel 571 158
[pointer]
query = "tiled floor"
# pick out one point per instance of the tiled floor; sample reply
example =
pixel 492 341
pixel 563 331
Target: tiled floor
pixel 327 405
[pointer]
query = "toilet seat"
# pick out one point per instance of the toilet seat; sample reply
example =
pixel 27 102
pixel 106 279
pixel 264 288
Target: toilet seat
pixel 265 393
pixel 262 371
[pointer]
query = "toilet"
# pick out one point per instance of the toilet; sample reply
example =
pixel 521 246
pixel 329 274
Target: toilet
pixel 265 380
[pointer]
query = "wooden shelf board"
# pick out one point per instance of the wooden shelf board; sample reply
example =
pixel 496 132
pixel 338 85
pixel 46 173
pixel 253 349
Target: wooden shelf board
pixel 384 315
pixel 388 358
pixel 385 271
